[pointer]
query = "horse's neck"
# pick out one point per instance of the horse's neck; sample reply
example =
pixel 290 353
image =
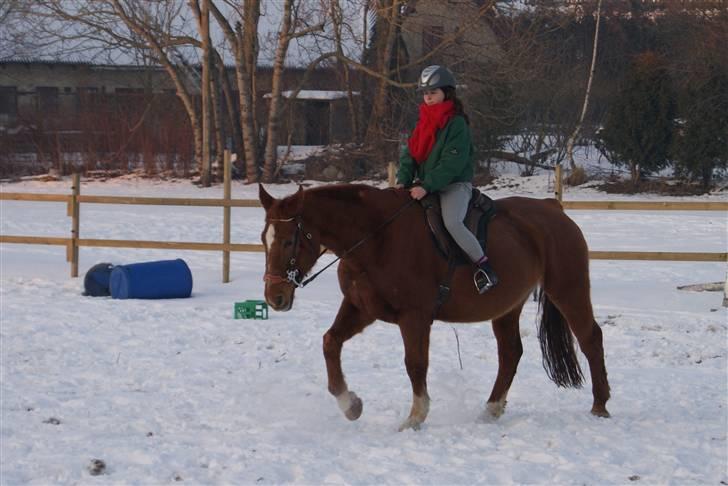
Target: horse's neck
pixel 341 222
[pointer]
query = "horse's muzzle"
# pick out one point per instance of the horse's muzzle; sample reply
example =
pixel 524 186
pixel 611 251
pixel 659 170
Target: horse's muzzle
pixel 279 298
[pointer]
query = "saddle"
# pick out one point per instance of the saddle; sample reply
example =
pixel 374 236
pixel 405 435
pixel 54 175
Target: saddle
pixel 481 210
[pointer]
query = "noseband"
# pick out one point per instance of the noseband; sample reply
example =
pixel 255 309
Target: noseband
pixel 294 276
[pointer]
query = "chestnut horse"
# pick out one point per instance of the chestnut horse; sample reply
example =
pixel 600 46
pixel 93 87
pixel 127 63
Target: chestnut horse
pixel 390 270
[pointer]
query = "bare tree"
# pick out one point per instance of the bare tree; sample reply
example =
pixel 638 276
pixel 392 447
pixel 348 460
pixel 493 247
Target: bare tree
pixel 388 15
pixel 592 69
pixel 119 25
pixel 202 14
pixel 293 26
pixel 243 39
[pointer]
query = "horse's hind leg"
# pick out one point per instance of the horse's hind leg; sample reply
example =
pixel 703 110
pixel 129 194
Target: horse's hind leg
pixel 349 321
pixel 578 312
pixel 510 349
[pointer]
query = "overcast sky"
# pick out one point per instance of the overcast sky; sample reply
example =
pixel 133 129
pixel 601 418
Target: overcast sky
pixel 20 37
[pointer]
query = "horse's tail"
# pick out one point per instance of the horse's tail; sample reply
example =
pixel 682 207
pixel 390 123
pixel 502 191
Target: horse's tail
pixel 557 346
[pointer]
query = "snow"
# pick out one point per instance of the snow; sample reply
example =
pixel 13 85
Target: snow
pixel 315 94
pixel 177 390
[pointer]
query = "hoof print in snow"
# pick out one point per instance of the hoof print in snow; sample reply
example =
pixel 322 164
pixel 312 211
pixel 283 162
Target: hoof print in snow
pixel 150 434
pixel 178 478
pixel 52 421
pixel 634 478
pixel 97 467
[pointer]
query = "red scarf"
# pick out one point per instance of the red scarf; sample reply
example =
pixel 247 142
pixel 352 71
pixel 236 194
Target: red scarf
pixel 432 118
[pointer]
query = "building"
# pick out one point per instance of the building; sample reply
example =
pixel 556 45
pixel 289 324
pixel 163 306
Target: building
pixel 50 111
pixel 466 35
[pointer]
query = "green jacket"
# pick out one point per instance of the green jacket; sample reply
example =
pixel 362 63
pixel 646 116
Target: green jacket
pixel 451 159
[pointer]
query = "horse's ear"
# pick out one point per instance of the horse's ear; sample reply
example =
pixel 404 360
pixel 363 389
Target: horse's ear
pixel 265 199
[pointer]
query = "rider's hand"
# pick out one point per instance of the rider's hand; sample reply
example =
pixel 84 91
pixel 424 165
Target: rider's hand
pixel 418 192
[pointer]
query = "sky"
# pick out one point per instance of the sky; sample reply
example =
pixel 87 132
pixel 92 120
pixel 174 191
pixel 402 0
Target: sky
pixel 21 38
pixel 167 391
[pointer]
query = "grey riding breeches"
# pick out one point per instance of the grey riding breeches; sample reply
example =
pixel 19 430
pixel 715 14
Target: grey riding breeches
pixel 454 200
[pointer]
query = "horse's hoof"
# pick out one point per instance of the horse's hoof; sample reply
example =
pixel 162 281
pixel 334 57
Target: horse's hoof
pixel 355 408
pixel 410 423
pixel 350 404
pixel 494 410
pixel 600 412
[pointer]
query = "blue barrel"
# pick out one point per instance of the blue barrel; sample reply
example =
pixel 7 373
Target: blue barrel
pixel 165 279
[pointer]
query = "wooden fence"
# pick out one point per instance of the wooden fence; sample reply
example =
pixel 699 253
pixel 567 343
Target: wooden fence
pixel 75 199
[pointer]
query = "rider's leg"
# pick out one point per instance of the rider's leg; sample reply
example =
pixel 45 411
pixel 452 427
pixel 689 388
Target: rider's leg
pixel 454 200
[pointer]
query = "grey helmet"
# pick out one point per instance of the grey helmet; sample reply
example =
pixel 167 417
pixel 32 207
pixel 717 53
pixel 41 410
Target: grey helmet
pixel 434 77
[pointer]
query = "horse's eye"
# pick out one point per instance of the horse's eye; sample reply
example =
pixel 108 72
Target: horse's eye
pixel 287 243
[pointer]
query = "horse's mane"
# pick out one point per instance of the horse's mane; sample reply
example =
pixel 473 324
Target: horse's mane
pixel 364 199
pixel 344 192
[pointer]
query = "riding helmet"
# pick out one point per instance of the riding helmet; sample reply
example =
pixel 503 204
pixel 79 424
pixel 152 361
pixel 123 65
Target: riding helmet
pixel 434 77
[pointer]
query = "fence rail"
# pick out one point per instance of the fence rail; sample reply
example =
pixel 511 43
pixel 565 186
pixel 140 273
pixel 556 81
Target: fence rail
pixel 252 247
pixel 647 205
pixel 75 199
pixel 253 203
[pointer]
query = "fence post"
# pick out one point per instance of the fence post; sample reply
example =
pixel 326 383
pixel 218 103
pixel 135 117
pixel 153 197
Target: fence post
pixel 227 175
pixel 391 174
pixel 558 187
pixel 75 217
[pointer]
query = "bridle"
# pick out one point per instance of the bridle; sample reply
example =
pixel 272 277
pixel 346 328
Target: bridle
pixel 294 276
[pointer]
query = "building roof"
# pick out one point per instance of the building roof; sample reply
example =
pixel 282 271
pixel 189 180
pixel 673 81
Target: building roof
pixel 315 94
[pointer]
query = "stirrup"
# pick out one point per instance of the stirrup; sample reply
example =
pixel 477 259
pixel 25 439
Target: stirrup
pixel 482 281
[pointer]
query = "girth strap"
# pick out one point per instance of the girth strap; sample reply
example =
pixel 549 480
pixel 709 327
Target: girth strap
pixel 443 291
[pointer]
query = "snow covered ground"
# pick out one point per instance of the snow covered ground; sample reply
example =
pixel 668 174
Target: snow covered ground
pixel 177 390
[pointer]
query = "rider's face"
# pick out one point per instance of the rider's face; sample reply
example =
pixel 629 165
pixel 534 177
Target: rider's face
pixel 433 96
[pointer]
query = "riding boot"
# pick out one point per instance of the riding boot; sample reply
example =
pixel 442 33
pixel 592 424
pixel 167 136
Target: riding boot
pixel 484 277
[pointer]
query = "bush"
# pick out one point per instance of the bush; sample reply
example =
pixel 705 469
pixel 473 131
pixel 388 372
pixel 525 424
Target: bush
pixel 701 144
pixel 638 129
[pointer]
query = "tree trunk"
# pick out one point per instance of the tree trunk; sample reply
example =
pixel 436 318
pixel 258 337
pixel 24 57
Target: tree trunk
pixel 206 98
pixel 246 65
pixel 572 139
pixel 389 14
pixel 233 121
pixel 337 18
pixel 634 170
pixel 244 40
pixel 217 122
pixel 271 146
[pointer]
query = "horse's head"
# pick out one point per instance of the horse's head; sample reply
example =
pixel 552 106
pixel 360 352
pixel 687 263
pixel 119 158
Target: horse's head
pixel 291 248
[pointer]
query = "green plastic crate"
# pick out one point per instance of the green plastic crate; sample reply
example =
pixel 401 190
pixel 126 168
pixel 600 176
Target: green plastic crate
pixel 251 309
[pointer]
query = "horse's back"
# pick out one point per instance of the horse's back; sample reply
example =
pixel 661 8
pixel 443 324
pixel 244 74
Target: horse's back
pixel 543 217
pixel 552 233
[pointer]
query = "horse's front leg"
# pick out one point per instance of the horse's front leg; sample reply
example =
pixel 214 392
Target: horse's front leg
pixel 415 331
pixel 349 321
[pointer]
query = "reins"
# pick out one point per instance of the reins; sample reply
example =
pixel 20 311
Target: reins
pixel 292 274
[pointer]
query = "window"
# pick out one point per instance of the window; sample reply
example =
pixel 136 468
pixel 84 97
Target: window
pixel 8 100
pixel 47 99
